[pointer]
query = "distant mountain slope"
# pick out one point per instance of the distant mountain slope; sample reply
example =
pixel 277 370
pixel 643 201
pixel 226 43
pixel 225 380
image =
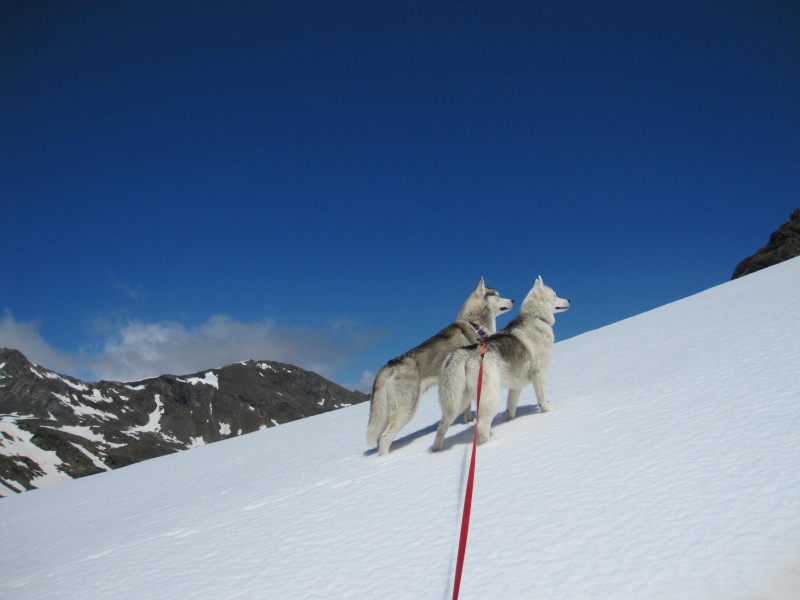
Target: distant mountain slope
pixel 784 243
pixel 54 428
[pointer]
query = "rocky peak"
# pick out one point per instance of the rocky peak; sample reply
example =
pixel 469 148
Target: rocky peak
pixel 784 243
pixel 13 363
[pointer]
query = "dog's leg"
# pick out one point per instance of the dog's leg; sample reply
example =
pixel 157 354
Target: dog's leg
pixel 538 386
pixel 401 415
pixel 490 400
pixel 449 413
pixel 444 425
pixel 468 414
pixel 396 423
pixel 513 400
pixel 454 393
pixel 403 396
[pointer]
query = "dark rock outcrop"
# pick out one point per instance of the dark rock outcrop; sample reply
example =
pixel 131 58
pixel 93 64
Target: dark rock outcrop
pixel 783 244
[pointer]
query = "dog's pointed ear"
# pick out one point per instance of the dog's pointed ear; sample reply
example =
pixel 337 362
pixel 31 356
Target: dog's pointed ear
pixel 539 282
pixel 481 285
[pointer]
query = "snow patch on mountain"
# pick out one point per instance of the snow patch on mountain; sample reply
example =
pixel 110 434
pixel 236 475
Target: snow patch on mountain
pixel 96 461
pixel 81 431
pixel 208 379
pixel 16 442
pixel 153 422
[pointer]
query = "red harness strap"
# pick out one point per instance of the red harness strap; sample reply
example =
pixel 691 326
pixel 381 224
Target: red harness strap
pixel 462 542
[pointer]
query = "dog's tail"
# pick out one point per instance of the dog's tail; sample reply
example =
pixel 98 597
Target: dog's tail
pixel 378 409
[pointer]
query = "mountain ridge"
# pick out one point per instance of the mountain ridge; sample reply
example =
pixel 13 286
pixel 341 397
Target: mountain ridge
pixel 55 427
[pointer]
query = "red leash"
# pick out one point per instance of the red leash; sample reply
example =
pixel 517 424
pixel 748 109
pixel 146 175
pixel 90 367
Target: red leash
pixel 462 543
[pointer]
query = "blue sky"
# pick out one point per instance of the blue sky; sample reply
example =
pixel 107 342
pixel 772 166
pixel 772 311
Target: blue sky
pixel 188 184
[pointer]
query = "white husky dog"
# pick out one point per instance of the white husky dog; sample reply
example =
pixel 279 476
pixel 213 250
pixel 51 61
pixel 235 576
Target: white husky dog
pixel 515 356
pixel 399 384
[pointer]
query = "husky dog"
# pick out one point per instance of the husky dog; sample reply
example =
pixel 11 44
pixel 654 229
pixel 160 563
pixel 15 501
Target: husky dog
pixel 399 384
pixel 515 356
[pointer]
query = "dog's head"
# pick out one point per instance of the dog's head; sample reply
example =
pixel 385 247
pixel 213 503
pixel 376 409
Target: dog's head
pixel 547 296
pixel 496 303
pixel 484 298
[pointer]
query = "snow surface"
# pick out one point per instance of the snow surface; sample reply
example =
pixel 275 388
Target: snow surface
pixel 668 469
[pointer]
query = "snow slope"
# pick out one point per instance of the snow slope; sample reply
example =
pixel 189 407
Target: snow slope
pixel 669 468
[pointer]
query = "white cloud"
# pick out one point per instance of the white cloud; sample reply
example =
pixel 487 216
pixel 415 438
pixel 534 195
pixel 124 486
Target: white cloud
pixel 365 385
pixel 131 292
pixel 25 337
pixel 139 349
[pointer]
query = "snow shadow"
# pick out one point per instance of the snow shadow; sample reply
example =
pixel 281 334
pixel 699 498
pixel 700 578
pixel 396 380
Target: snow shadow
pixel 466 435
pixel 462 437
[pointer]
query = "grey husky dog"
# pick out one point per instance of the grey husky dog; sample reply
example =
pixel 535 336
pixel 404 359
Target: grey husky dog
pixel 517 355
pixel 400 383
